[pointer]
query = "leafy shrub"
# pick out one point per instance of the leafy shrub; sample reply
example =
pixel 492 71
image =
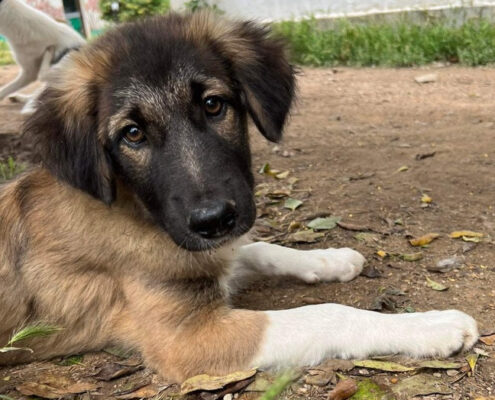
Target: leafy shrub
pixel 129 10
pixel 196 5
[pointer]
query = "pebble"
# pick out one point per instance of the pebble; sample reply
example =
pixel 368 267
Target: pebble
pixel 427 78
pixel 228 396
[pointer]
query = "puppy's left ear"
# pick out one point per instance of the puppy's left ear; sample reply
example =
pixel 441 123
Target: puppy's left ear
pixel 264 73
pixel 267 79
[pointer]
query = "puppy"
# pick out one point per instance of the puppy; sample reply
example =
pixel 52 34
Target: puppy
pixel 37 42
pixel 134 230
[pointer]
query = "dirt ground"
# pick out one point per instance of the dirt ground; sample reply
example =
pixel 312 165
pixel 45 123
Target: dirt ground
pixel 366 145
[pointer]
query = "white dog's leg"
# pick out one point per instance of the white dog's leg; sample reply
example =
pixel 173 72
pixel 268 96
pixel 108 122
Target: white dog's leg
pixel 308 265
pixel 308 335
pixel 19 98
pixel 46 63
pixel 23 79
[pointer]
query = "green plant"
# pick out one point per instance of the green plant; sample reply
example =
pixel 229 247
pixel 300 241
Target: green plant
pixel 280 384
pixel 394 44
pixel 5 54
pixel 197 5
pixel 10 169
pixel 129 10
pixel 29 332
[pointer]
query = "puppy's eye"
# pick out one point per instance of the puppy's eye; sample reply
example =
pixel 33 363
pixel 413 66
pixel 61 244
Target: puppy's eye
pixel 133 135
pixel 213 106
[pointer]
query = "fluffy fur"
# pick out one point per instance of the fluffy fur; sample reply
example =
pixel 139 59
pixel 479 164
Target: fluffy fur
pixel 37 42
pixel 99 239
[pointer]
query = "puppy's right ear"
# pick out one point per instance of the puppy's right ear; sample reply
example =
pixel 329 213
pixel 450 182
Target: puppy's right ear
pixel 64 125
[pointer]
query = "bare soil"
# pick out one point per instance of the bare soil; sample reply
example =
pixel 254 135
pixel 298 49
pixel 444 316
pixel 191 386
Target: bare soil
pixel 365 145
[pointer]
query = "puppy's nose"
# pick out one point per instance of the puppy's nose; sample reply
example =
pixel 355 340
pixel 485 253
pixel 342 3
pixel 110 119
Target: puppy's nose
pixel 213 218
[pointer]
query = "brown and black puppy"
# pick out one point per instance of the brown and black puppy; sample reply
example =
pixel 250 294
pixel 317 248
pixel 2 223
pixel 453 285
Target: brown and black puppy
pixel 132 231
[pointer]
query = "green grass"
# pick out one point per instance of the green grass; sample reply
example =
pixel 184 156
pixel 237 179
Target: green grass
pixel 10 169
pixel 5 54
pixel 391 44
pixel 29 332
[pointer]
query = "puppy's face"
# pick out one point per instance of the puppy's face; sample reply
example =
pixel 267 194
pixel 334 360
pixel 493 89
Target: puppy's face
pixel 161 106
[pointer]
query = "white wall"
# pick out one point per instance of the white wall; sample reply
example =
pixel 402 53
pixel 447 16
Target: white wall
pixel 270 10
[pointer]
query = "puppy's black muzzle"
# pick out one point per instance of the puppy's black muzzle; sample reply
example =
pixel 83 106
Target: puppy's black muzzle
pixel 213 219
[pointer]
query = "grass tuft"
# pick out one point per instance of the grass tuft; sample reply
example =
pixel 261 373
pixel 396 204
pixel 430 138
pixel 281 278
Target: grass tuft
pixel 391 44
pixel 280 384
pixel 33 331
pixel 10 169
pixel 29 332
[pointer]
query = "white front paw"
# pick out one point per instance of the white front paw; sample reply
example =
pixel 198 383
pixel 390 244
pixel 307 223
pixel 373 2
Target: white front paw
pixel 441 333
pixel 333 265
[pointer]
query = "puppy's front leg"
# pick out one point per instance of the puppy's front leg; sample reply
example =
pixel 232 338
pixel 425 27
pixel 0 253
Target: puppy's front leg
pixel 310 266
pixel 308 335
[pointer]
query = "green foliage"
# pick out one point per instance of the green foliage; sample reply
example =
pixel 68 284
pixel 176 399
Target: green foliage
pixel 130 10
pixel 281 383
pixel 10 169
pixel 5 54
pixel 29 332
pixel 392 44
pixel 197 5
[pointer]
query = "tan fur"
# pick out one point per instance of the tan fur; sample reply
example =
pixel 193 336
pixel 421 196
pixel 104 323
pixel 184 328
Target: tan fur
pixel 90 258
pixel 106 275
pixel 74 75
pixel 206 26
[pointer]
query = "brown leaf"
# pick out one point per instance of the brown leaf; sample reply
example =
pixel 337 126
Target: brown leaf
pixel 371 272
pixel 115 370
pixel 209 383
pixel 424 240
pixel 422 156
pixel 343 390
pixel 488 340
pixel 306 236
pixel 49 392
pixel 352 227
pixel 141 393
pixel 468 234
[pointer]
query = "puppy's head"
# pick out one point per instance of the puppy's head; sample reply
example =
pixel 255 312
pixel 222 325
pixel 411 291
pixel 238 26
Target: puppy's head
pixel 161 106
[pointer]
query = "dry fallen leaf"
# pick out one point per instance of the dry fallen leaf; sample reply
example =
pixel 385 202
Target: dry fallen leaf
pixel 488 340
pixel 115 370
pixel 412 256
pixel 282 175
pixel 382 365
pixel 435 285
pixel 426 199
pixel 447 264
pixel 209 383
pixel 47 391
pixel 424 240
pixel 292 204
pixel 472 360
pixel 381 253
pixel 459 234
pixel 307 236
pixel 438 364
pixel 343 390
pixel 420 385
pixel 144 392
pixel 323 223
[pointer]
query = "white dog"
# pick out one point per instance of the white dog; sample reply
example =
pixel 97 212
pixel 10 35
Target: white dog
pixel 37 41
